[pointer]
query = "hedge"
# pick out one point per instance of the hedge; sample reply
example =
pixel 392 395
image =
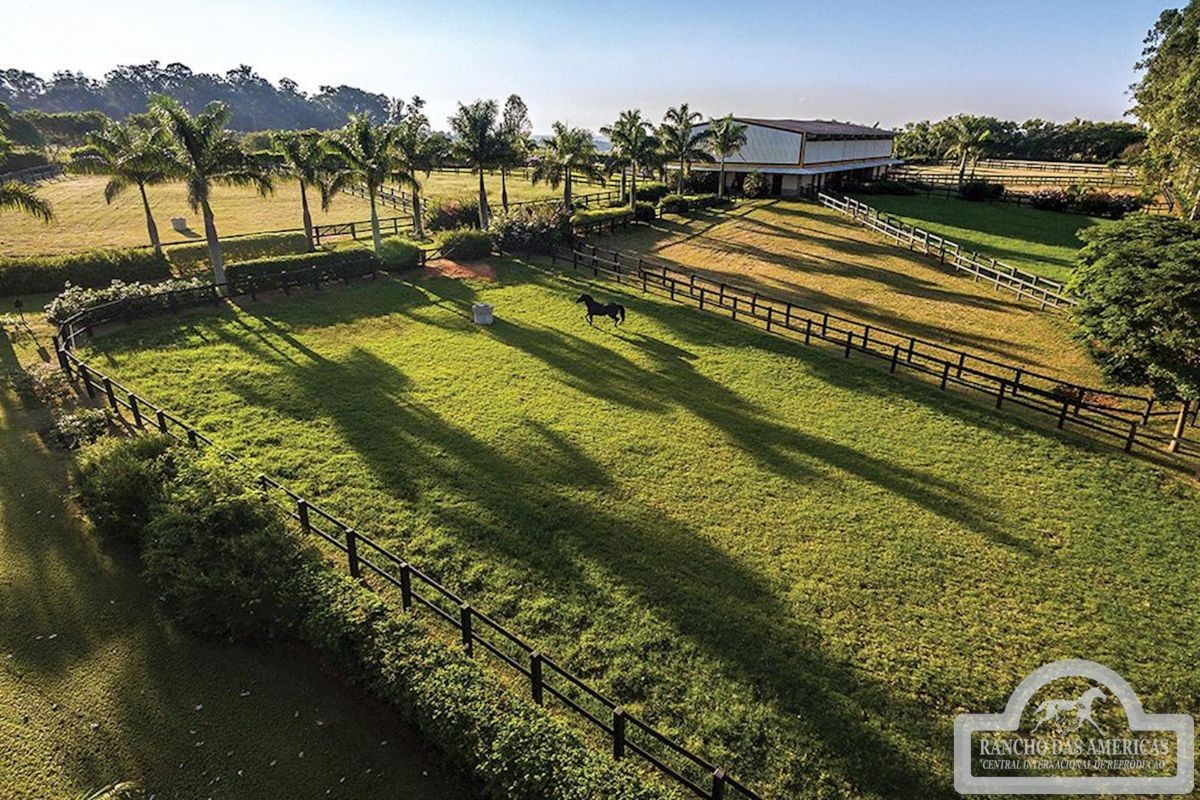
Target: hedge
pixel 93 269
pixel 399 253
pixel 464 243
pixel 193 256
pixel 221 558
pixel 683 203
pixel 652 191
pixel 338 262
pixel 980 191
pixel 20 158
pixel 581 217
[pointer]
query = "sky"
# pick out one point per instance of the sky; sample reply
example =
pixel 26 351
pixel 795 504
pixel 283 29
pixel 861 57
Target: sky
pixel 866 61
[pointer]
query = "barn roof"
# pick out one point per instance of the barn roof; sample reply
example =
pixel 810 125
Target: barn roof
pixel 819 127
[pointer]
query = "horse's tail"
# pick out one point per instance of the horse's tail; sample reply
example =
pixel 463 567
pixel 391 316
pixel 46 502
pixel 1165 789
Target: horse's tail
pixel 621 311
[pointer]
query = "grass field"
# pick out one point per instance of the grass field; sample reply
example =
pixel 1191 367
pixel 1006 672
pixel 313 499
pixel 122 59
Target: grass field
pixel 822 259
pixel 82 644
pixel 801 566
pixel 1041 242
pixel 459 184
pixel 84 222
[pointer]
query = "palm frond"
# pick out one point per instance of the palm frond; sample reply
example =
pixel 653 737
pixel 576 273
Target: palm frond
pixel 21 197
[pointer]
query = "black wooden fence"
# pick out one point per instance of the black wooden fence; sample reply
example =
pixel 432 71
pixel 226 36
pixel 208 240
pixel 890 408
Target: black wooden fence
pixel 1132 420
pixel 546 678
pixel 951 179
pixel 1074 167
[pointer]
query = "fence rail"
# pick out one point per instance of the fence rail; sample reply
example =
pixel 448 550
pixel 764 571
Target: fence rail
pixel 1129 418
pixel 948 179
pixel 361 229
pixel 1009 196
pixel 546 679
pixel 33 174
pixel 1027 286
pixel 1047 166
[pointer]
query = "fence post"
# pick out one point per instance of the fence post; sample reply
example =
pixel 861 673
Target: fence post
pixel 405 586
pixel 109 393
pixel 137 411
pixel 352 553
pixel 468 639
pixel 895 356
pixel 192 439
pixel 618 732
pixel 302 512
pixel 1062 415
pixel 161 419
pixel 86 377
pixel 849 342
pixel 535 676
pixel 945 373
pixel 718 784
pixel 1132 436
pixel 1000 394
pixel 807 329
pixel 769 310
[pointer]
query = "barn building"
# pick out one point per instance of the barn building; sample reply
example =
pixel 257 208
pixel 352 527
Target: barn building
pixel 800 155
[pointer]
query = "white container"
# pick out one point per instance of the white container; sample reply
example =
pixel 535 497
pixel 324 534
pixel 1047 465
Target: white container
pixel 482 313
pixel 179 224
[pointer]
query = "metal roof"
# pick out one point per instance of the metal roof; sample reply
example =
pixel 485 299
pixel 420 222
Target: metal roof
pixel 819 127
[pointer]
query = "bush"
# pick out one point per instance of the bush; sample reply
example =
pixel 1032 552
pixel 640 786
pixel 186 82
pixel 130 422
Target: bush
pixel 120 481
pixel 193 256
pixel 594 214
pixel 700 182
pixel 37 274
pixel 683 203
pixel 74 299
pixel 755 185
pixel 652 191
pixel 44 383
pixel 464 243
pixel 1093 202
pixel 447 215
pixel 339 263
pixel 74 429
pixel 20 158
pixel 644 212
pixel 886 186
pixel 529 229
pixel 398 253
pixel 980 191
pixel 1050 199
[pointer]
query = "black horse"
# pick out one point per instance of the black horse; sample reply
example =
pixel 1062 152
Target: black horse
pixel 594 309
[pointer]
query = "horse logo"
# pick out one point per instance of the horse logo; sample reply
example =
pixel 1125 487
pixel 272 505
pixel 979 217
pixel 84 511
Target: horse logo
pixel 1068 716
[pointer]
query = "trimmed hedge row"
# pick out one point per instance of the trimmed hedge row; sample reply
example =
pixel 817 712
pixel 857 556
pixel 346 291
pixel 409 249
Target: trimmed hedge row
pixel 193 256
pixel 592 215
pixel 261 267
pixel 222 558
pixel 464 243
pixel 683 203
pixel 93 269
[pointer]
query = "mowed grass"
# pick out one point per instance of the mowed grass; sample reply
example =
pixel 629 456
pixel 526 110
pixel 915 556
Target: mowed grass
pixel 1041 242
pixel 84 222
pixel 82 644
pixel 799 566
pixel 817 257
pixel 448 185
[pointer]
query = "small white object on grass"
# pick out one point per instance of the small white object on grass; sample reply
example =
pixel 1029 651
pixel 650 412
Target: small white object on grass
pixel 482 313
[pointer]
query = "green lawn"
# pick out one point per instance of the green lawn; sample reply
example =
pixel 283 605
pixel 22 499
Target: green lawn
pixel 96 686
pixel 800 566
pixel 1041 242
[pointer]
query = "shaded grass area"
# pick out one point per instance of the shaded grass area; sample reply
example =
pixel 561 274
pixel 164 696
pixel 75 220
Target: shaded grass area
pixel 801 567
pixel 1041 242
pixel 803 251
pixel 82 644
pixel 84 222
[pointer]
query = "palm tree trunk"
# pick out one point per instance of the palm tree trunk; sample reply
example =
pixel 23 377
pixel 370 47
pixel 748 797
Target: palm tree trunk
pixel 623 182
pixel 721 179
pixel 962 168
pixel 214 248
pixel 633 187
pixel 375 236
pixel 504 187
pixel 567 192
pixel 418 231
pixel 681 176
pixel 308 226
pixel 483 206
pixel 151 228
pixel 1195 206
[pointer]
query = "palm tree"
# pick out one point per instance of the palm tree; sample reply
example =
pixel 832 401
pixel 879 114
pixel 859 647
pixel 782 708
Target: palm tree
pixel 136 153
pixel 631 138
pixel 206 155
pixel 21 197
pixel 417 150
pixel 115 791
pixel 726 138
pixel 968 137
pixel 477 141
pixel 515 130
pixel 568 152
pixel 368 154
pixel 306 158
pixel 681 141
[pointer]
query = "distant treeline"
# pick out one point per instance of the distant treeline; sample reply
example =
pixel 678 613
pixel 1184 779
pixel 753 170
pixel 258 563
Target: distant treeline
pixel 1035 139
pixel 256 103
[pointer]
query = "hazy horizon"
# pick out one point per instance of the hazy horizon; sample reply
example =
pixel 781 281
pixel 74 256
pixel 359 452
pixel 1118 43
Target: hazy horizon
pixel 867 61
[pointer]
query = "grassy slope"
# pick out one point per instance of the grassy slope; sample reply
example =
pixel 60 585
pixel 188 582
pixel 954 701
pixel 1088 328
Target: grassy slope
pixel 1042 242
pixel 801 566
pixel 79 629
pixel 445 184
pixel 84 221
pixel 820 258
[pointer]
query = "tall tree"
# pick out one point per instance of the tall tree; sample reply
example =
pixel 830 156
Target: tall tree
pixel 21 197
pixel 569 152
pixel 726 138
pixel 515 136
pixel 478 143
pixel 967 139
pixel 135 153
pixel 206 155
pixel 367 152
pixel 1167 100
pixel 417 151
pixel 631 139
pixel 305 157
pixel 681 141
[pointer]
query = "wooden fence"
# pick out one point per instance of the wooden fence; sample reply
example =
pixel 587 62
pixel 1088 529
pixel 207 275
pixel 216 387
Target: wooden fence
pixel 1027 286
pixel 33 175
pixel 951 179
pixel 544 678
pixel 1132 420
pixel 1072 167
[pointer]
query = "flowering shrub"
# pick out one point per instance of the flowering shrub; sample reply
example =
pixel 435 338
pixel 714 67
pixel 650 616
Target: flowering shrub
pixel 529 229
pixel 1093 202
pixel 74 429
pixel 755 185
pixel 446 215
pixel 74 299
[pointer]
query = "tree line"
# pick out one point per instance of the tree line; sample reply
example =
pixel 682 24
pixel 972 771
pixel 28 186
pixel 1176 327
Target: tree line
pixel 1034 139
